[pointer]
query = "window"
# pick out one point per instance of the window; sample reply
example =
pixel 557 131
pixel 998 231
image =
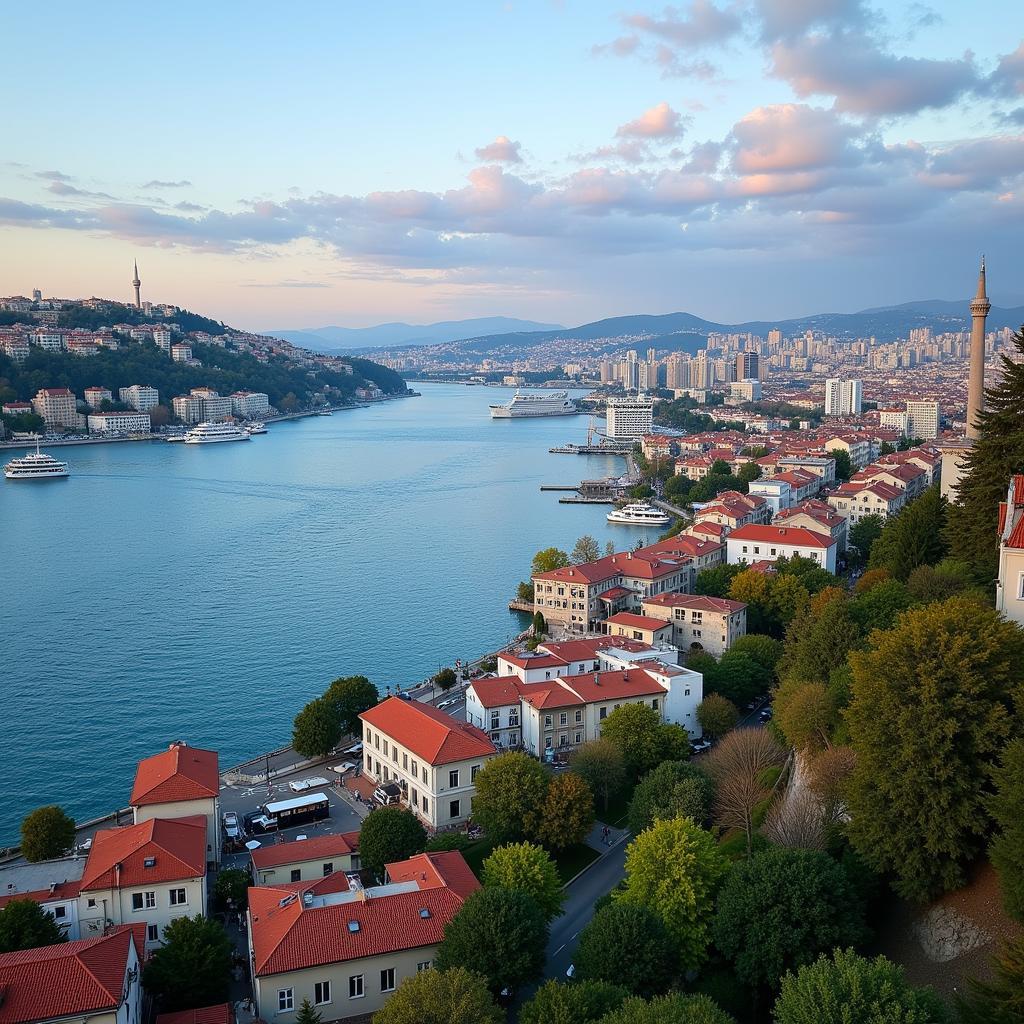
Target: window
pixel 602 714
pixel 152 933
pixel 328 868
pixel 178 898
pixel 454 809
pixel 423 965
pixel 59 912
pixel 513 716
pixel 143 900
pixel 426 806
pixel 563 718
pixel 90 903
pixel 453 778
pixel 579 715
pixel 296 875
pixel 1020 587
pixel 405 762
pixel 355 986
pixel 387 979
pixel 495 719
pixel 513 738
pixel 285 999
pixel 654 703
pixel 426 781
pixel 578 738
pixel 473 772
pixel 548 721
pixel 322 992
pixel 547 742
pixel 563 739
pixel 415 769
pixel 415 797
pixel 385 748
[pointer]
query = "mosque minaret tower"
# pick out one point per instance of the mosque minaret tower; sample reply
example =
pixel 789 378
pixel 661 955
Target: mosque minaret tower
pixel 137 284
pixel 976 382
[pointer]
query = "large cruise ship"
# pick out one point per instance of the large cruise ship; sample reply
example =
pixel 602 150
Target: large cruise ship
pixel 639 514
pixel 212 433
pixel 38 466
pixel 557 403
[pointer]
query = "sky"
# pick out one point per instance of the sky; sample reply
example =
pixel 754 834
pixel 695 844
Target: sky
pixel 356 163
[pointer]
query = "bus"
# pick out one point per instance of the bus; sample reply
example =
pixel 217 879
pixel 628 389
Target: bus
pixel 299 810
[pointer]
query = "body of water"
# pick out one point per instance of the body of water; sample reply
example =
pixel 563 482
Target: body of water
pixel 206 593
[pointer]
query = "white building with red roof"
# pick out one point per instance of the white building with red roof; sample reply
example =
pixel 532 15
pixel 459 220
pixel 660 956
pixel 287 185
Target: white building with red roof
pixel 433 758
pixel 643 628
pixel 731 509
pixel 1010 579
pixel 857 499
pixel 700 623
pixel 817 516
pixel 97 980
pixel 347 947
pixel 306 859
pixel 751 544
pixel 153 873
pixel 907 477
pixel 179 782
pixel 53 884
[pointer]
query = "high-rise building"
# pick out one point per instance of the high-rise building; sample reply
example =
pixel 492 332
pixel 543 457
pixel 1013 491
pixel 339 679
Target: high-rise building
pixel 774 336
pixel 57 406
pixel 843 397
pixel 922 419
pixel 140 397
pixel 748 366
pixel 629 418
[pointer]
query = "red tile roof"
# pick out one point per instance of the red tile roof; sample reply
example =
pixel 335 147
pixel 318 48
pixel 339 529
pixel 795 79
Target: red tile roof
pixel 697 602
pixel 177 845
pixel 80 977
pixel 499 692
pixel 176 774
pixel 222 1013
pixel 591 688
pixel 430 734
pixel 636 621
pixel 436 871
pixel 793 535
pixel 66 890
pixel 305 849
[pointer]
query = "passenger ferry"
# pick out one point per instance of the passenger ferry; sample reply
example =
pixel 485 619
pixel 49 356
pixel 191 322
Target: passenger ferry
pixel 214 433
pixel 639 514
pixel 558 403
pixel 256 428
pixel 39 466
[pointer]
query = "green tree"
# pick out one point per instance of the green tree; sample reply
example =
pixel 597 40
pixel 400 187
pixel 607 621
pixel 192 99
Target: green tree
pixel 914 537
pixel 316 731
pixel 717 581
pixel 844 469
pixel 454 996
pixel 308 1014
pixel 390 834
pixel 1001 1000
pixel 813 576
pixel 599 763
pixel 782 907
pixel 526 868
pixel 736 676
pixel 567 814
pixel 643 738
pixel 626 945
pixel 510 792
pixel 864 533
pixel 749 472
pixel 193 966
pixel 765 650
pixel 995 456
pixel 849 989
pixel 675 1008
pixel 547 560
pixel 674 868
pixel 931 708
pixel 940 582
pixel 880 606
pixel 350 696
pixel 46 833
pixel 24 924
pixel 819 639
pixel 1006 806
pixel 524 591
pixel 807 713
pixel 675 789
pixel 499 933
pixel 583 1002
pixel 445 678
pixel 586 550
pixel 231 890
pixel 717 715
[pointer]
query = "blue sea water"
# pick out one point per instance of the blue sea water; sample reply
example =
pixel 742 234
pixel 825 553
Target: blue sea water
pixel 206 593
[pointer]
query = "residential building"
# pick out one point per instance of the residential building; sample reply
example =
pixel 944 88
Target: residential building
pixel 699 623
pixel 181 353
pixel 433 757
pixel 180 782
pixel 1010 578
pixel 213 405
pixel 16 408
pixel 922 419
pixel 140 397
pixel 48 341
pixel 895 419
pixel 860 449
pixel 222 1013
pixel 745 390
pixel 643 628
pixel 53 884
pixel 819 517
pixel 823 468
pixel 91 981
pixel 306 859
pixel 162 339
pixel 187 408
pixel 249 404
pixel 731 509
pixel 748 366
pixel 904 477
pixel 843 397
pixel 119 422
pixel 858 499
pixel 658 446
pixel 628 419
pixel 929 460
pixel 776 493
pixel 346 948
pixel 492 703
pixel 151 873
pixel 751 544
pixel 57 406
pixel 96 396
pixel 15 348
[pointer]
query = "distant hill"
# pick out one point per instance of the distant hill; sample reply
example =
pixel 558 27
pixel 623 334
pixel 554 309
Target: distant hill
pixel 388 335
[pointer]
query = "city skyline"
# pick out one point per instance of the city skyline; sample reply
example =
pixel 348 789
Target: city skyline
pixel 736 160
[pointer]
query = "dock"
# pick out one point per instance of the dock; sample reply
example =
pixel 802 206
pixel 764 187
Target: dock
pixel 559 487
pixel 581 500
pixel 590 449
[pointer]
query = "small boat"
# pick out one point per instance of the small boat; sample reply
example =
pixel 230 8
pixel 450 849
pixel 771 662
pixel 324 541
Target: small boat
pixel 39 466
pixel 639 514
pixel 324 412
pixel 255 428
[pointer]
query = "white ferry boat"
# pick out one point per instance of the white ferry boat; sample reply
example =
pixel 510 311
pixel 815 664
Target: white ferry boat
pixel 256 428
pixel 639 514
pixel 556 403
pixel 213 433
pixel 39 466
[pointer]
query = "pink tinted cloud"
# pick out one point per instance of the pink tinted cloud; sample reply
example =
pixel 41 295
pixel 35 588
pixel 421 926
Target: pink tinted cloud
pixel 790 137
pixel 501 150
pixel 659 122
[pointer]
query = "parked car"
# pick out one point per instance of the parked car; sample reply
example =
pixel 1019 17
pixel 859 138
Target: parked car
pixel 448 703
pixel 231 826
pixel 298 785
pixel 356 749
pixel 258 823
pixel 402 695
pixel 389 793
pixel 343 768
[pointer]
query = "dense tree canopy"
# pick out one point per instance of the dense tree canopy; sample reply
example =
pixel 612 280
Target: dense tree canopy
pixel 316 730
pixel 582 1002
pixel 717 715
pixel 673 789
pixel 350 696
pixel 599 763
pixel 547 560
pixel 1001 999
pixel 1006 806
pixel 643 738
pixel 46 832
pixel 510 793
pixel 626 945
pixel 24 924
pixel 567 814
pixel 454 996
pixel 390 834
pixel 676 1008
pixel 193 966
pixel 526 868
pixel 916 536
pixel 585 550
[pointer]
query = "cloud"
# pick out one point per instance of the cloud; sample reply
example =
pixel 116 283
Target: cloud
pixel 62 188
pixel 791 137
pixel 167 184
pixel 54 175
pixel 1007 80
pixel 702 24
pixel 660 122
pixel 787 19
pixel 187 207
pixel 501 150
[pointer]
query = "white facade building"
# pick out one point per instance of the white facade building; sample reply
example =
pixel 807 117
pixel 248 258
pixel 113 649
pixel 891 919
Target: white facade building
pixel 140 397
pixel 628 419
pixel 843 397
pixel 249 403
pixel 752 544
pixel 922 419
pixel 121 422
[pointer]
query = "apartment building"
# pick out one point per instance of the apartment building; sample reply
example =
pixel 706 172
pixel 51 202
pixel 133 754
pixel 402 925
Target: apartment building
pixel 119 422
pixel 858 499
pixel 53 884
pixel 658 446
pixel 699 623
pixel 823 468
pixel 492 704
pixel 16 408
pixel 346 948
pixel 151 873
pixel 628 419
pixel 907 477
pixel 928 460
pixel 894 419
pixel 181 353
pixel 732 509
pixel 57 407
pixel 140 397
pixel 843 397
pixel 213 405
pixel 433 757
pixel 306 859
pixel 860 449
pixel 162 338
pixel 922 419
pixel 642 628
pixel 751 544
pixel 15 348
pixel 187 408
pixel 48 341
pixel 180 782
pixel 1010 578
pixel 249 403
pixel 819 517
pixel 784 490
pixel 96 396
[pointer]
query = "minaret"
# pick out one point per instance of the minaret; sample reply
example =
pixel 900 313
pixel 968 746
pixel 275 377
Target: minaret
pixel 137 284
pixel 976 382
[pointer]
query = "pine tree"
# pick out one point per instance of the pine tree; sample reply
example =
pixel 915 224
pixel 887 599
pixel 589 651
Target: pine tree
pixel 995 456
pixel 307 1014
